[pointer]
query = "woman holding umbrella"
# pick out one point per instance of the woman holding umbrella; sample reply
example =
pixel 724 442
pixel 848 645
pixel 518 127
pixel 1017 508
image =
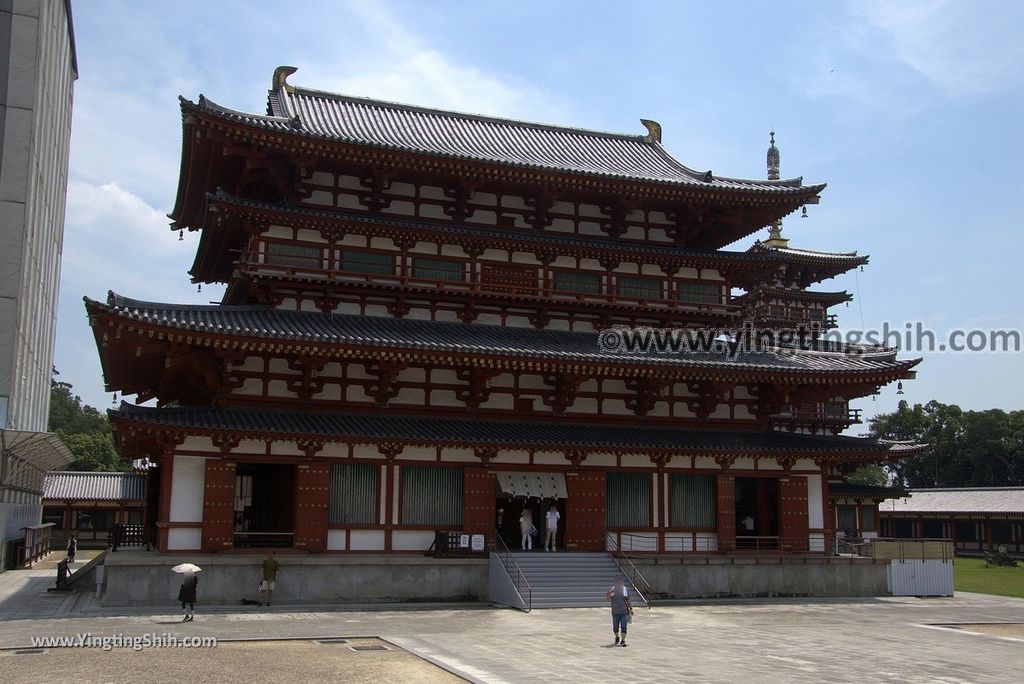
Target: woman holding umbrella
pixel 187 593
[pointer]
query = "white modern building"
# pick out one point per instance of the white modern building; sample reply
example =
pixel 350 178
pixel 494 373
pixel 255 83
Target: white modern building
pixel 37 73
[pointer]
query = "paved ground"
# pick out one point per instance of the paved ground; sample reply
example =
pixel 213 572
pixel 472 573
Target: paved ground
pixel 230 662
pixel 854 640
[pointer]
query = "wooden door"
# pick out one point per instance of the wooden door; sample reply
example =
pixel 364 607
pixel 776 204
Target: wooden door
pixel 585 511
pixel 219 506
pixel 478 501
pixel 725 507
pixel 793 518
pixel 312 498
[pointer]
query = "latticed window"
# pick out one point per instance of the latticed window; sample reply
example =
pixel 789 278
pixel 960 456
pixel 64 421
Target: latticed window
pixel 641 288
pixel 438 269
pixel 628 500
pixel 693 501
pixel 353 494
pixel 367 262
pixel 575 281
pixel 700 293
pixel 431 496
pixel 296 256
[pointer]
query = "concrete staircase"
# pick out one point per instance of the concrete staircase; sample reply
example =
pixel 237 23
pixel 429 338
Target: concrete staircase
pixel 567 579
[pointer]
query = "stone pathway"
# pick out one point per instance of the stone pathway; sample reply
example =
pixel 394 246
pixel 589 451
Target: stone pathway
pixel 852 640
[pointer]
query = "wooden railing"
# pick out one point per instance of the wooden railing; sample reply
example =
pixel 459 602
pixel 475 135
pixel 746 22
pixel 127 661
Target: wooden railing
pixel 331 270
pixel 122 535
pixel 839 419
pixel 37 543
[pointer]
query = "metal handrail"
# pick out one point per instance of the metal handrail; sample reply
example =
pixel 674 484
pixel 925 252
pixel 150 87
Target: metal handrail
pixel 618 556
pixel 515 573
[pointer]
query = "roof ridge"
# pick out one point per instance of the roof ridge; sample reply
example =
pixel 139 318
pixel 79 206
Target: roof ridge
pixel 452 113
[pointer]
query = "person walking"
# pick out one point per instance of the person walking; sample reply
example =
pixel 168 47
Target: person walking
pixel 622 608
pixel 526 527
pixel 551 523
pixel 187 595
pixel 72 548
pixel 269 582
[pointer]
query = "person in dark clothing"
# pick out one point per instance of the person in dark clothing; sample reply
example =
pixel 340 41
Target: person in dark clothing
pixel 187 595
pixel 72 548
pixel 622 609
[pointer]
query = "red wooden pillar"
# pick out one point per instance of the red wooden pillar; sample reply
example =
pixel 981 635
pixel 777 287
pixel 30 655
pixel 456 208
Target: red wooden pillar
pixel 793 522
pixel 585 511
pixel 219 506
pixel 725 507
pixel 478 498
pixel 312 499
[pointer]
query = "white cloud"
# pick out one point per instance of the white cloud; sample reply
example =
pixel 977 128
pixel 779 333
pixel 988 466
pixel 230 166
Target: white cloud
pixel 964 48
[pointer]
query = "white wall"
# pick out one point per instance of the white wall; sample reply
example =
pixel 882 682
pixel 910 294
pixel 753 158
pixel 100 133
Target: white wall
pixel 188 477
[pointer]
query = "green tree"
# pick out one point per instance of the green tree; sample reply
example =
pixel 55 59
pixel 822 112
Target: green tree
pixel 965 448
pixel 84 430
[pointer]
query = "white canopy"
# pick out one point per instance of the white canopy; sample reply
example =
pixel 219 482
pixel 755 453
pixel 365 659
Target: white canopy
pixel 533 485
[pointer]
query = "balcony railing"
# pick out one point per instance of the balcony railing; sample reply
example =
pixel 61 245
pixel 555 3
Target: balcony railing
pixel 836 420
pixel 330 270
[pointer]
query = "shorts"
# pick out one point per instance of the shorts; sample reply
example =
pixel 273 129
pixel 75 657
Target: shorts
pixel 620 622
pixel 268 585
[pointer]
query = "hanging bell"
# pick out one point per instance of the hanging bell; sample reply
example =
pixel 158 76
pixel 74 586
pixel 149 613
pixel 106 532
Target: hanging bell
pixel 200 288
pixel 803 213
pixel 899 387
pixel 113 401
pixel 181 235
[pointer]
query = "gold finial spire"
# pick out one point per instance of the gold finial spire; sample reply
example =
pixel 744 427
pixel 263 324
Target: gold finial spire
pixel 775 238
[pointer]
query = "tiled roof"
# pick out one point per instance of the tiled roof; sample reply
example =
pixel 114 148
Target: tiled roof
pixel 467 432
pixel 810 256
pixel 471 137
pixel 963 500
pixel 792 294
pixel 854 490
pixel 88 486
pixel 261 322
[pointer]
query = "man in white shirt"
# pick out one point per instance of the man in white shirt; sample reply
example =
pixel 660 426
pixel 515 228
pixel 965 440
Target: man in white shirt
pixel 552 527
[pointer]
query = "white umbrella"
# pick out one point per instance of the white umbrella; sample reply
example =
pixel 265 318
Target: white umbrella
pixel 186 567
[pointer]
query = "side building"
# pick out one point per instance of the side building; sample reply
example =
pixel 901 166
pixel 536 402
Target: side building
pixel 37 73
pixel 419 333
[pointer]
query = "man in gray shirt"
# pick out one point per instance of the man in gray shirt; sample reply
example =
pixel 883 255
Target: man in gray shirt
pixel 622 608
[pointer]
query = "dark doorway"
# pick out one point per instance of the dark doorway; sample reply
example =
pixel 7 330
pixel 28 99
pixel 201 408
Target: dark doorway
pixel 264 505
pixel 757 513
pixel 509 510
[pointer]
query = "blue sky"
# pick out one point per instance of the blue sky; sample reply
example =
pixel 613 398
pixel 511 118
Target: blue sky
pixel 911 111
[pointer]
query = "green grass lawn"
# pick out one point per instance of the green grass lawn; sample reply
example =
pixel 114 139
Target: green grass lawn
pixel 970 574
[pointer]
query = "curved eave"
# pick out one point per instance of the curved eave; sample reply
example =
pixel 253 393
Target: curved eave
pixel 827 298
pixel 214 267
pixel 112 325
pixel 324 427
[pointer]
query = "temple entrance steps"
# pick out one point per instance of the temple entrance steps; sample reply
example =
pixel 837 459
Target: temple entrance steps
pixel 567 579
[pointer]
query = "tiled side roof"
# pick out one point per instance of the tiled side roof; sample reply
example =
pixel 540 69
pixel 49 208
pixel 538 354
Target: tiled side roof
pixel 810 256
pixel 87 486
pixel 851 489
pixel 435 336
pixel 964 500
pixel 830 298
pixel 465 432
pixel 454 135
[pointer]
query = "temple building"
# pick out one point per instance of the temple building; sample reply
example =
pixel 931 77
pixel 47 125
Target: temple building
pixel 410 340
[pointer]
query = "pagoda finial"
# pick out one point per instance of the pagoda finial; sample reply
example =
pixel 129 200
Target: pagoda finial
pixel 775 238
pixel 281 75
pixel 773 159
